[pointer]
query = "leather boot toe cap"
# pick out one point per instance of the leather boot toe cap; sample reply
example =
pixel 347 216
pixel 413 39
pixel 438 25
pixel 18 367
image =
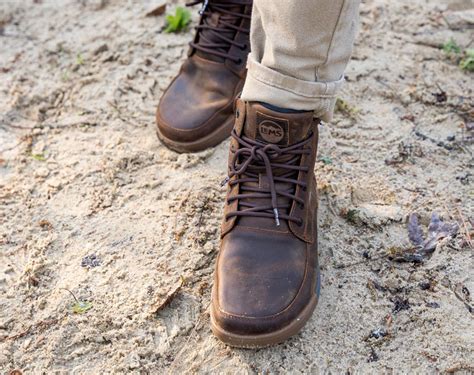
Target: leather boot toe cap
pixel 197 101
pixel 261 289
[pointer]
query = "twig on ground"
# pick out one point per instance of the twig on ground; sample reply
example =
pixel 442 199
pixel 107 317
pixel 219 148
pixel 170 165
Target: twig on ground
pixel 458 367
pixel 427 44
pixel 42 325
pixel 466 229
pixel 72 294
pixel 121 116
pixel 11 148
pixel 331 207
pixel 339 266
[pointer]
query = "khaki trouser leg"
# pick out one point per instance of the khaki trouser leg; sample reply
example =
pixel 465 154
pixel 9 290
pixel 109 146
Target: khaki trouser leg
pixel 299 50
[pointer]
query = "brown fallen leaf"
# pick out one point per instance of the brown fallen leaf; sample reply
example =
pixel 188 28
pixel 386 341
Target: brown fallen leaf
pixel 423 247
pixel 158 11
pixel 45 224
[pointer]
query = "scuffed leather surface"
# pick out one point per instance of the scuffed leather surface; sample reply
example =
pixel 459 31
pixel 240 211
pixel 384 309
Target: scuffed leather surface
pixel 198 100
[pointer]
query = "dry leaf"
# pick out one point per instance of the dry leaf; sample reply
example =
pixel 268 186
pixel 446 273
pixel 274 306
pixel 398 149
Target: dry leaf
pixel 415 234
pixel 81 307
pixel 158 11
pixel 437 231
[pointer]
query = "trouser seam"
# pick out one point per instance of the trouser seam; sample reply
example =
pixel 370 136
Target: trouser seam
pixel 332 39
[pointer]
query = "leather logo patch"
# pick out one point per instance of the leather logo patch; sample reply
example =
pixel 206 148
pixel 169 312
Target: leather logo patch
pixel 272 130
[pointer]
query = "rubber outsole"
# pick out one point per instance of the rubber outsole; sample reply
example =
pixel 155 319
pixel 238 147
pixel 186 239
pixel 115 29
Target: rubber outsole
pixel 210 140
pixel 272 338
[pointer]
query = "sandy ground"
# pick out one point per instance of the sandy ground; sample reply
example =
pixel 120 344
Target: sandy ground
pixel 91 202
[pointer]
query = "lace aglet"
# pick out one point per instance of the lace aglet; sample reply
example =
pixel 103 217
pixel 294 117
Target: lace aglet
pixel 277 217
pixel 225 181
pixel 204 7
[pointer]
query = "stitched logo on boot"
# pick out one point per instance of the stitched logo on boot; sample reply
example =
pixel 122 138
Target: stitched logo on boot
pixel 271 129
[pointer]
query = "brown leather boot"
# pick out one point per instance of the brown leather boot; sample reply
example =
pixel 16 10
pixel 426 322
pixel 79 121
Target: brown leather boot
pixel 196 110
pixel 266 283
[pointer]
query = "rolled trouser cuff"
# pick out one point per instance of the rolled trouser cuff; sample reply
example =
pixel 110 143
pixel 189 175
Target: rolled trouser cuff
pixel 269 86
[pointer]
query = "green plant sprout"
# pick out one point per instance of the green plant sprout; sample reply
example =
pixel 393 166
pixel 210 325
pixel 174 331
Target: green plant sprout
pixel 179 21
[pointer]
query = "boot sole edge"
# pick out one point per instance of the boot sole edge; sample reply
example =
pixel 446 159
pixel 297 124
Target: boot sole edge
pixel 210 140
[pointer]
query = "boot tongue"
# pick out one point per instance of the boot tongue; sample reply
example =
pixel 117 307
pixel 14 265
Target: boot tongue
pixel 270 126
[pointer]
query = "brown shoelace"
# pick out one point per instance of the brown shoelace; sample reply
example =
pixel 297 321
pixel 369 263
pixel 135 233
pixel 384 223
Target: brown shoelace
pixel 281 164
pixel 215 39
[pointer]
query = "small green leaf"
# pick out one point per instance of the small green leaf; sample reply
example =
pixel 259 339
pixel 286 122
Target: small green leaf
pixel 451 47
pixel 346 109
pixel 352 216
pixel 79 59
pixel 179 21
pixel 65 76
pixel 39 157
pixel 467 63
pixel 326 160
pixel 80 307
pixel 186 18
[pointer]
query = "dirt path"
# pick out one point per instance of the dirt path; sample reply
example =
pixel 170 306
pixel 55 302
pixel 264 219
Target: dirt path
pixel 90 201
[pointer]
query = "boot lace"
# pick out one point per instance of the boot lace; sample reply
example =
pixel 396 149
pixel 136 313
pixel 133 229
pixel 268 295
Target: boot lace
pixel 214 39
pixel 281 164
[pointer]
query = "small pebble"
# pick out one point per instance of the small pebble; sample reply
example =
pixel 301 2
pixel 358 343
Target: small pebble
pixel 41 172
pixel 378 333
pixel 133 361
pixel 91 261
